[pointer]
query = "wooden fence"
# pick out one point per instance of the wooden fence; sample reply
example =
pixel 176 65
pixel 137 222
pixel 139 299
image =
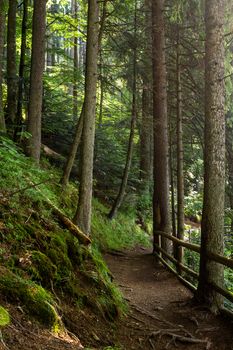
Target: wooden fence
pixel 227 262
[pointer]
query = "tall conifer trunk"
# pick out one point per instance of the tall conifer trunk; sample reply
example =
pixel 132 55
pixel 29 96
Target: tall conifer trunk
pixel 146 136
pixel 83 214
pixel 11 63
pixel 214 158
pixel 161 207
pixel 2 30
pixel 22 68
pixel 180 152
pixel 36 79
pixel 76 64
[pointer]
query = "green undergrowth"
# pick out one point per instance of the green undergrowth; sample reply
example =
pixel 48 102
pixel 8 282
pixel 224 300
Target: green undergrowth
pixel 119 233
pixel 41 262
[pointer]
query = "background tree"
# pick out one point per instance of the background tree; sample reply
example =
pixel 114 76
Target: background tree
pixel 33 147
pixel 22 63
pixel 12 79
pixel 2 30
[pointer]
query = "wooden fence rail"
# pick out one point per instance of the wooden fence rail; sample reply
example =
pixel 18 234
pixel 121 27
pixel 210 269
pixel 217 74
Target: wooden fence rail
pixel 227 262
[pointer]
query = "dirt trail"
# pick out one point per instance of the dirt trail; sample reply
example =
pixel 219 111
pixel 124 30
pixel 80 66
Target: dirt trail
pixel 161 312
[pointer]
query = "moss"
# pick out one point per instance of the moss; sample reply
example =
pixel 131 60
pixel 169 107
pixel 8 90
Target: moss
pixel 74 251
pixel 36 300
pixel 108 308
pixel 42 269
pixel 62 261
pixel 58 241
pixel 4 317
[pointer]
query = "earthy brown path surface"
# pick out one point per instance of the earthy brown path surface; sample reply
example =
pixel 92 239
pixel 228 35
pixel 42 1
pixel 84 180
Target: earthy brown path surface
pixel 162 314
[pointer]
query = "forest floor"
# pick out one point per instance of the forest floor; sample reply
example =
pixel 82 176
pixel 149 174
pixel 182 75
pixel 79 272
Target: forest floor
pixel 161 316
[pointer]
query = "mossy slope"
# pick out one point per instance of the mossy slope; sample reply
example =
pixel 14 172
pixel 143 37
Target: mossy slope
pixel 41 262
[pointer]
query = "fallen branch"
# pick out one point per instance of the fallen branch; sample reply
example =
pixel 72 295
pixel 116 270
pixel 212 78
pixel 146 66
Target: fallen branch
pixel 75 230
pixel 28 187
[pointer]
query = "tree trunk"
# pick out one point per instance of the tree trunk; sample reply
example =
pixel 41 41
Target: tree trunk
pixel 2 30
pixel 229 157
pixel 101 80
pixel 180 153
pixel 76 64
pixel 11 63
pixel 174 230
pixel 121 194
pixel 147 122
pixel 214 157
pixel 33 148
pixel 161 207
pixel 22 68
pixel 83 214
pixel 73 150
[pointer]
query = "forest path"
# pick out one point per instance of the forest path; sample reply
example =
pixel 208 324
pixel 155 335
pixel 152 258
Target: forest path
pixel 161 312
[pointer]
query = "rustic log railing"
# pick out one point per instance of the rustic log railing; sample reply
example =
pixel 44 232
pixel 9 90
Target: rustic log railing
pixel 227 262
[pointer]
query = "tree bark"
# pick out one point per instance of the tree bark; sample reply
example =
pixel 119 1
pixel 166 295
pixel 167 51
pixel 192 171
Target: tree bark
pixel 2 30
pixel 11 63
pixel 22 68
pixel 180 154
pixel 121 194
pixel 76 65
pixel 33 147
pixel 146 132
pixel 214 156
pixel 83 214
pixel 174 230
pixel 73 150
pixel 161 206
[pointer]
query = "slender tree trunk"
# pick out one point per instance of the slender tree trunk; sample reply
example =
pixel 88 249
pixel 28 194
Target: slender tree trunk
pixel 161 207
pixel 79 127
pixel 101 91
pixel 121 194
pixel 2 30
pixel 174 231
pixel 180 152
pixel 33 147
pixel 22 68
pixel 147 122
pixel 229 157
pixel 214 157
pixel 76 64
pixel 11 63
pixel 73 150
pixel 83 214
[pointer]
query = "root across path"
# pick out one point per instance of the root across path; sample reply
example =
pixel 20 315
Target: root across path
pixel 162 314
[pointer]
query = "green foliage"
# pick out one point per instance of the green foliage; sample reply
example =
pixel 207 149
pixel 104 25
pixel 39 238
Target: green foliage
pixel 117 234
pixel 4 317
pixel 193 206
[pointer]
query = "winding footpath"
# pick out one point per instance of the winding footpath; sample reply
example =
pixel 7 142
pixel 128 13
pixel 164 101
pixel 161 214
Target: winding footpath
pixel 162 315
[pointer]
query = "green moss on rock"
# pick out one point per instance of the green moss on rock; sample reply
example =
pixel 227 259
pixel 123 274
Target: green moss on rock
pixel 36 300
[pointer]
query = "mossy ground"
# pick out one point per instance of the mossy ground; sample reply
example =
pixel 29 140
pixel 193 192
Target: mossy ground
pixel 42 264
